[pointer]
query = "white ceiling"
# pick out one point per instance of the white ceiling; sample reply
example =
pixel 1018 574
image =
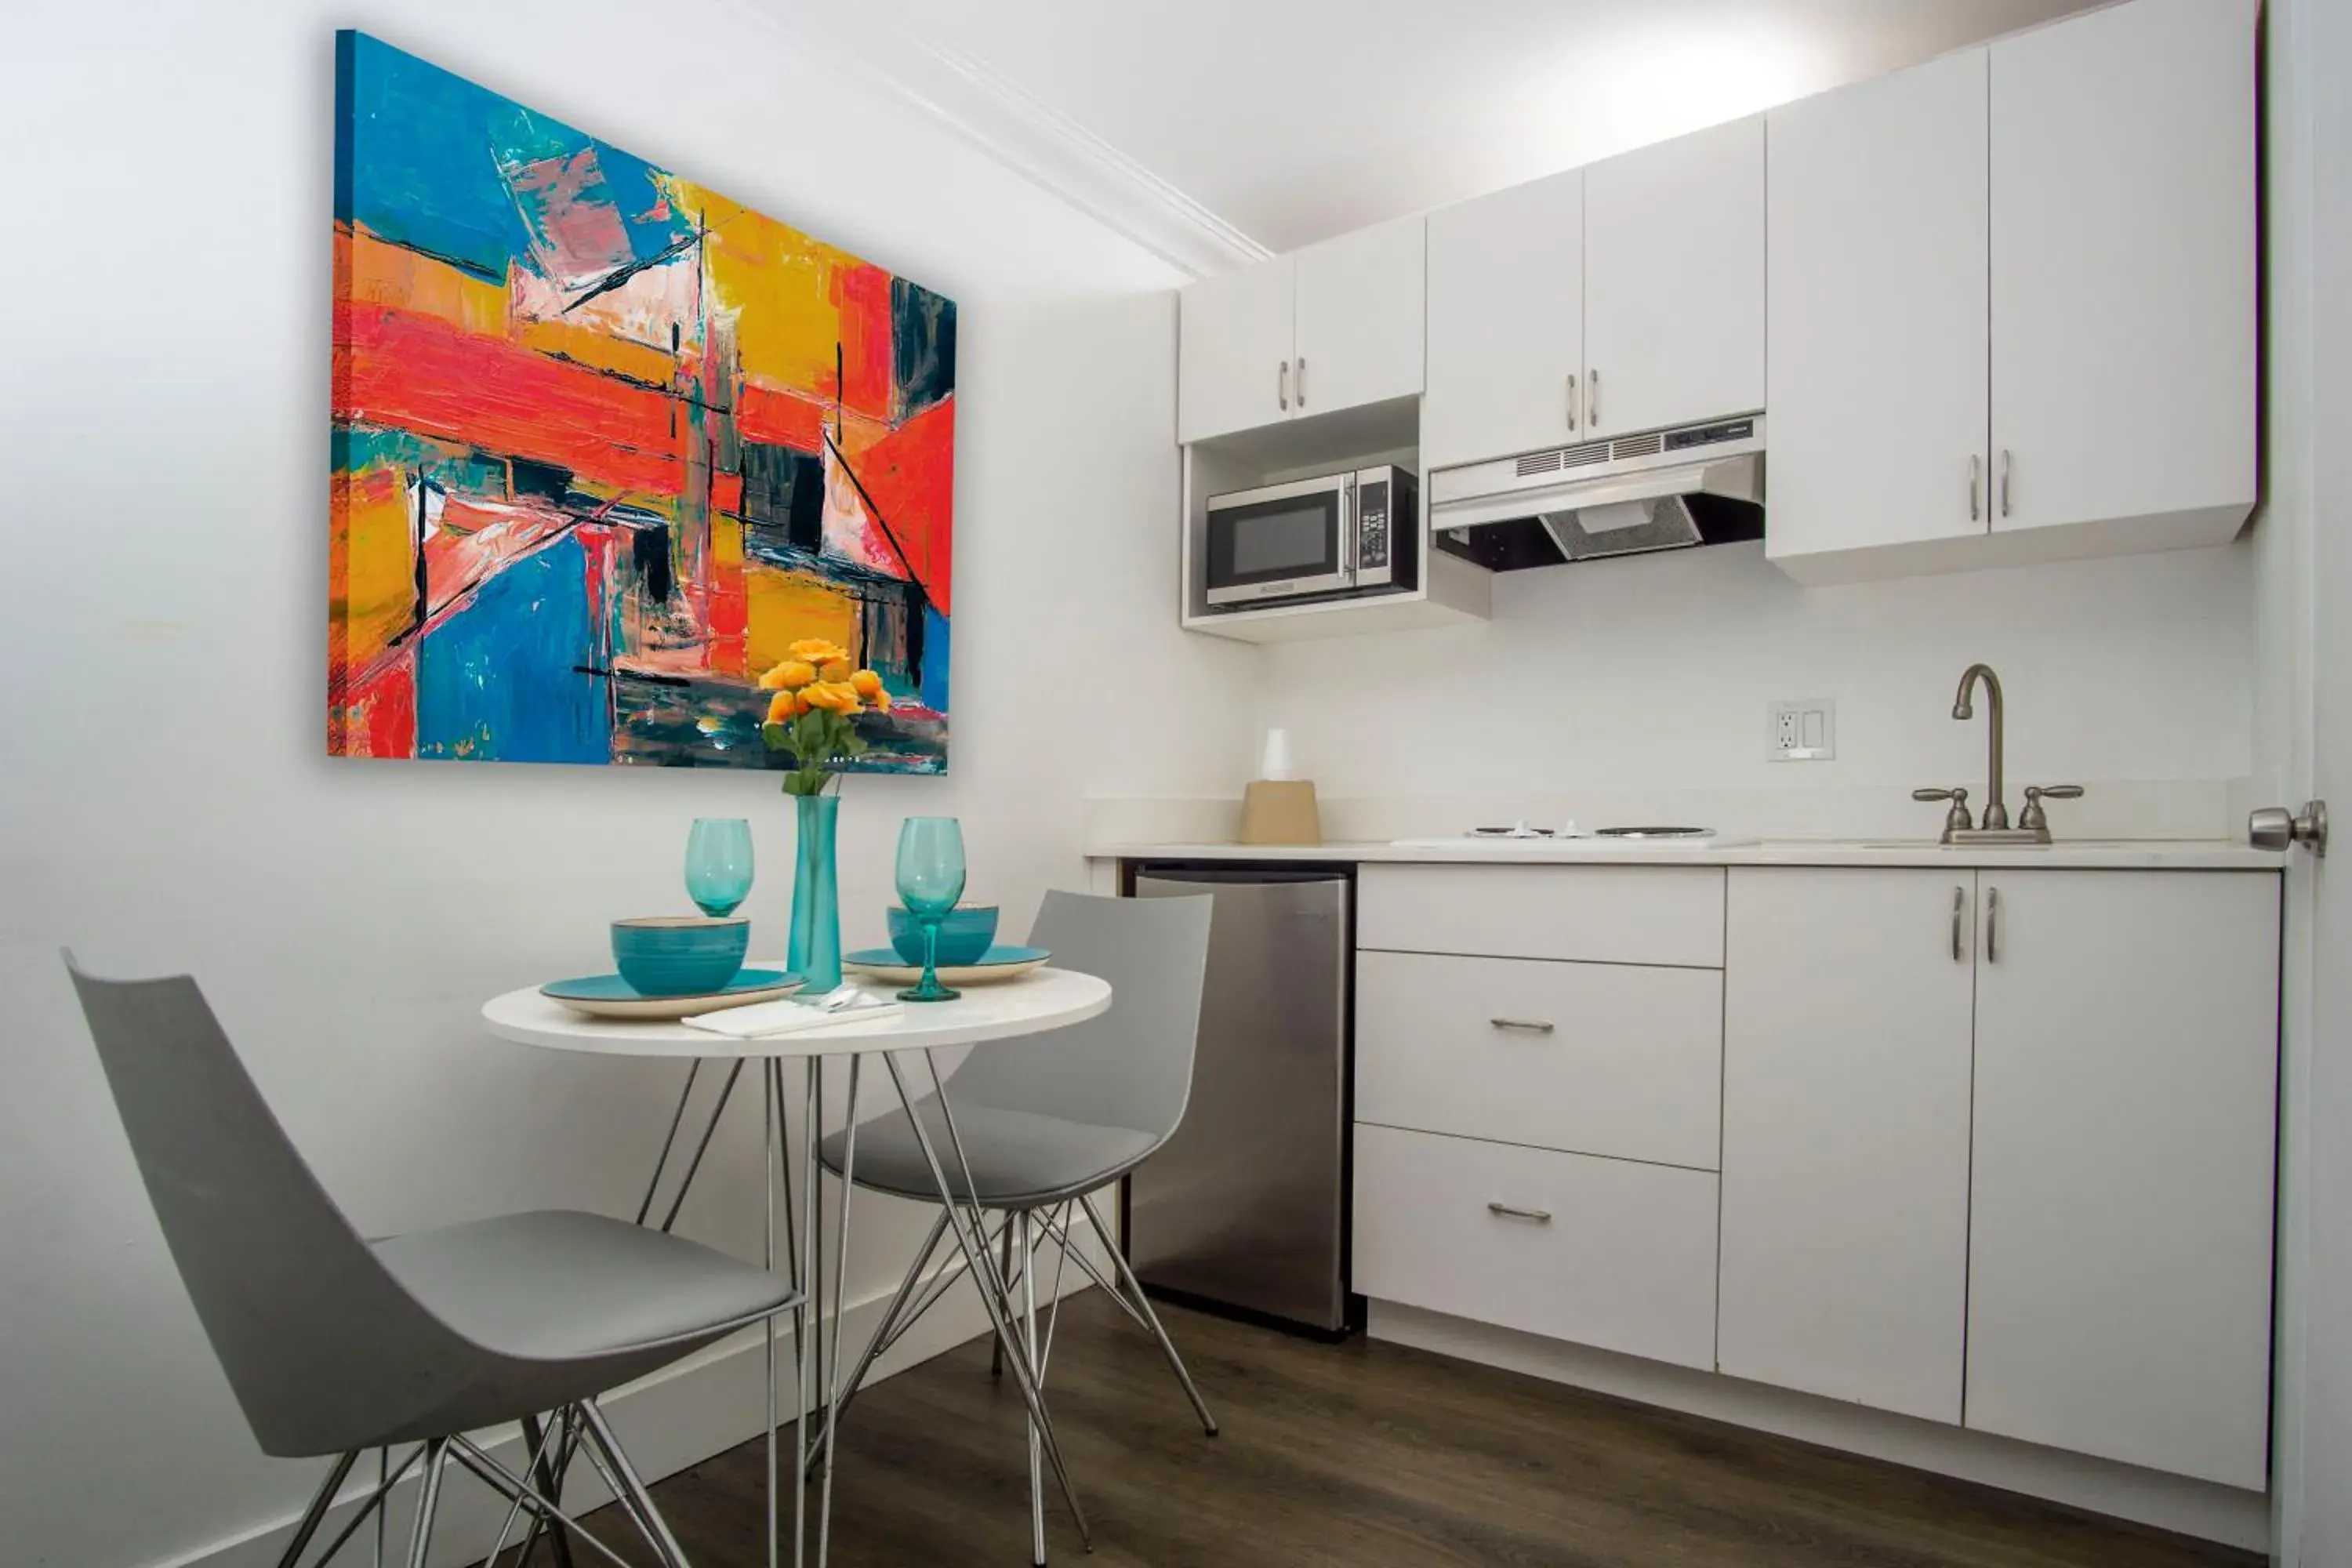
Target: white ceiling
pixel 1295 119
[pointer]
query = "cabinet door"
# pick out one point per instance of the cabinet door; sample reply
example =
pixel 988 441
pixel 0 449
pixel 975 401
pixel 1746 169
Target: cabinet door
pixel 1674 281
pixel 2120 1231
pixel 2124 266
pixel 1877 391
pixel 1505 323
pixel 1234 343
pixel 1845 1134
pixel 1361 308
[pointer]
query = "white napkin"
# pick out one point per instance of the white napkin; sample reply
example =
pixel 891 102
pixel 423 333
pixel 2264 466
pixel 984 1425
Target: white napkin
pixel 787 1016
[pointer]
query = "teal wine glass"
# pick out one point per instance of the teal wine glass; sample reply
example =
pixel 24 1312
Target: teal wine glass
pixel 719 863
pixel 931 880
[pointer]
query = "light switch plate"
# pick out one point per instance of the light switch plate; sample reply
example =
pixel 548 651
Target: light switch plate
pixel 1804 730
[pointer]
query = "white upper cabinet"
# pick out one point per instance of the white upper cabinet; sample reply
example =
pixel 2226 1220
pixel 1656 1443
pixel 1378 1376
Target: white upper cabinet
pixel 1233 338
pixel 1674 281
pixel 1505 323
pixel 1847 1009
pixel 1335 326
pixel 2119 1258
pixel 2124 272
pixel 2039 256
pixel 1879 388
pixel 1359 317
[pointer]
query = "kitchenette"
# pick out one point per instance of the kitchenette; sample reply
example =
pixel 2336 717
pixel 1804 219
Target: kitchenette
pixel 1904 1079
pixel 1982 1136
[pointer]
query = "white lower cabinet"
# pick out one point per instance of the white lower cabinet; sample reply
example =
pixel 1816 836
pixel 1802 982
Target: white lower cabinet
pixel 1996 1147
pixel 1847 1004
pixel 2119 1255
pixel 1611 1253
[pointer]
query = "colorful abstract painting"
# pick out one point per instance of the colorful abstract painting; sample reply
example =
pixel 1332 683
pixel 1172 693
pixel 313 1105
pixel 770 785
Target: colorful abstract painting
pixel 605 443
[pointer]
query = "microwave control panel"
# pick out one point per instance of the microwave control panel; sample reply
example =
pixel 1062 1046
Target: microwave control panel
pixel 1372 525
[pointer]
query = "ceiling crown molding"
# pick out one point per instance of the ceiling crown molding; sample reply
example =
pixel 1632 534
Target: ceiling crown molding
pixel 1026 135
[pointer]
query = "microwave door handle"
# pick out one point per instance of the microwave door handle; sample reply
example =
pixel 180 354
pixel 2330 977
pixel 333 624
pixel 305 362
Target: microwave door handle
pixel 1352 530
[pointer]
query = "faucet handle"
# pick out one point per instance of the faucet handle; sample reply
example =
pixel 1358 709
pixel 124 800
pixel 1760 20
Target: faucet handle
pixel 2033 819
pixel 1958 819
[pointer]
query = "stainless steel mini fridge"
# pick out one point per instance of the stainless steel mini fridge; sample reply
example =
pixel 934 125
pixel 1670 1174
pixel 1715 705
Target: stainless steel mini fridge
pixel 1247 1208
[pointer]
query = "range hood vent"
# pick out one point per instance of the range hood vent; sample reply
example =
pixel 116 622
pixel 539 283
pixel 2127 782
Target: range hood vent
pixel 1658 489
pixel 1622 528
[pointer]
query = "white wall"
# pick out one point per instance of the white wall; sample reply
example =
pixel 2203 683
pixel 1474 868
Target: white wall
pixel 164 799
pixel 1653 673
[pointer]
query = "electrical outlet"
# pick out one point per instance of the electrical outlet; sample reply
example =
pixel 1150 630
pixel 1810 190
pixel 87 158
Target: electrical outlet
pixel 1802 731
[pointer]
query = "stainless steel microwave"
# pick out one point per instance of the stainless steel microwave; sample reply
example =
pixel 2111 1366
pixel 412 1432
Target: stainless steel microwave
pixel 1357 533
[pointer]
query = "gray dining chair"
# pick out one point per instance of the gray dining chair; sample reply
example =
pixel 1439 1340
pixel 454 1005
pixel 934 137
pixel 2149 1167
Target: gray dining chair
pixel 1046 1121
pixel 334 1345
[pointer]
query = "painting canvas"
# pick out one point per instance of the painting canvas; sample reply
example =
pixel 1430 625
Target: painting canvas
pixel 606 443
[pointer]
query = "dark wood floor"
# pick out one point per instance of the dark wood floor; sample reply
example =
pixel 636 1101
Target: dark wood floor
pixel 1367 1454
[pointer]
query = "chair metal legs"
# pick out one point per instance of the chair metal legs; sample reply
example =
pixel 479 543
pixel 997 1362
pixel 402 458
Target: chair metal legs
pixel 551 1481
pixel 581 1426
pixel 428 1503
pixel 973 1244
pixel 996 1347
pixel 1151 1318
pixel 323 1499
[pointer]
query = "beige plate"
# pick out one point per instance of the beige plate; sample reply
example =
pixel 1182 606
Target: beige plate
pixel 957 975
pixel 664 1008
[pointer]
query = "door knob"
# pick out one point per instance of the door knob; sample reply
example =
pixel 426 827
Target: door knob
pixel 2273 827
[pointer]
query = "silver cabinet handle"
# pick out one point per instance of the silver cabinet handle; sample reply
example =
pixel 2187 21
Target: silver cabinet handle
pixel 1592 398
pixel 1571 403
pixel 1992 925
pixel 1525 1025
pixel 1960 908
pixel 2006 464
pixel 1299 386
pixel 1282 386
pixel 1976 485
pixel 1541 1217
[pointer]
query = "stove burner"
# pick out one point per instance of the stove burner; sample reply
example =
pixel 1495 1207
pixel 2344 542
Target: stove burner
pixel 1520 831
pixel 1655 833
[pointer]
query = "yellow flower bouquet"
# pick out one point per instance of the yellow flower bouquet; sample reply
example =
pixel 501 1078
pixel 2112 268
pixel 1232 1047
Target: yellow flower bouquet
pixel 816 691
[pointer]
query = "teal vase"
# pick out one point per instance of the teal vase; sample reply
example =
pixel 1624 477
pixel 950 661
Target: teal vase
pixel 815 952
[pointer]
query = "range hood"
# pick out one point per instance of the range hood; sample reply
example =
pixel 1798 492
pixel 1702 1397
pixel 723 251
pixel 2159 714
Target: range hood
pixel 1662 490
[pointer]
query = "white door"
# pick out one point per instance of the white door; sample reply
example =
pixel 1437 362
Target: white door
pixel 1233 350
pixel 2120 1220
pixel 1877 391
pixel 1674 281
pixel 1361 310
pixel 2124 261
pixel 2303 546
pixel 1845 1133
pixel 1505 323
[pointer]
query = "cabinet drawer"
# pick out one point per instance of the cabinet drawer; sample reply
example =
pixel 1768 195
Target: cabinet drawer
pixel 1625 1261
pixel 1594 1058
pixel 1600 914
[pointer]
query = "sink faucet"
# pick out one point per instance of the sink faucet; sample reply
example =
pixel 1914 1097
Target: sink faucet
pixel 2034 827
pixel 1996 811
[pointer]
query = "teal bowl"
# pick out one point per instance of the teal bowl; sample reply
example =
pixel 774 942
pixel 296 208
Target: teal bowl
pixel 969 932
pixel 679 955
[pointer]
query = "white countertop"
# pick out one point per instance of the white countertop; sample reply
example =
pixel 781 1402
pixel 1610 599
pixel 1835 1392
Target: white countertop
pixel 2112 855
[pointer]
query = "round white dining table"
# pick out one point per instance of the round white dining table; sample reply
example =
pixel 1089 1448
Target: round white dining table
pixel 1043 1000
